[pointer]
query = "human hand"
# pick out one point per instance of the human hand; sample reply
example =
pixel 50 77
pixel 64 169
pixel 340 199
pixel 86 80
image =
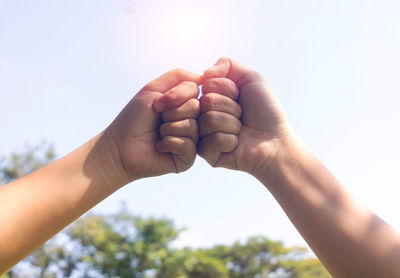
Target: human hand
pixel 242 125
pixel 141 143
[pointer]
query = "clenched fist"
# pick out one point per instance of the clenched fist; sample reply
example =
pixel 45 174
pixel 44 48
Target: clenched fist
pixel 242 125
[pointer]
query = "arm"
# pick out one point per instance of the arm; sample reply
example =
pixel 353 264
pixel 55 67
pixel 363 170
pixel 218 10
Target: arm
pixel 349 239
pixel 36 207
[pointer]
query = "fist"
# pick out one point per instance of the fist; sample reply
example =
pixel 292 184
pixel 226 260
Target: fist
pixel 242 125
pixel 179 130
pixel 219 119
pixel 156 133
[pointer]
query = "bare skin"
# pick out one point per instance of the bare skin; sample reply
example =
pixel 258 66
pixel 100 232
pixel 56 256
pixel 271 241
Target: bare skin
pixel 349 239
pixel 137 144
pixel 241 127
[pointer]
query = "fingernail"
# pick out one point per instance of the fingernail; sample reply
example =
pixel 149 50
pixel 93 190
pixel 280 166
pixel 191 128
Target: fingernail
pixel 220 61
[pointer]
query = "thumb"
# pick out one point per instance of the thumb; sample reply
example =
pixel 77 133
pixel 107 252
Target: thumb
pixel 228 68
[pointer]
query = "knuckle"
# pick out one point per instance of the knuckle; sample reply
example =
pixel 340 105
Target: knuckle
pixel 222 86
pixel 187 144
pixel 230 146
pixel 170 97
pixel 238 126
pixel 225 142
pixel 167 140
pixel 218 85
pixel 208 102
pixel 192 124
pixel 193 103
pixel 192 88
pixel 150 86
pixel 179 71
pixel 194 106
pixel 181 125
pixel 238 111
pixel 219 139
pixel 178 74
pixel 194 130
pixel 185 124
pixel 208 85
pixel 208 118
pixel 205 101
pixel 189 85
pixel 174 141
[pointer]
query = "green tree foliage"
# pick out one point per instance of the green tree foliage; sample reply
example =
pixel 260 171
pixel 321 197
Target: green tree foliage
pixel 17 165
pixel 189 263
pixel 305 268
pixel 258 256
pixel 125 245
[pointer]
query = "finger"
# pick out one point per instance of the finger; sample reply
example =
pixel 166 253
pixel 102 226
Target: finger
pixel 190 109
pixel 184 128
pixel 217 102
pixel 214 121
pixel 211 146
pixel 176 96
pixel 183 150
pixel 231 69
pixel 177 145
pixel 171 79
pixel 223 86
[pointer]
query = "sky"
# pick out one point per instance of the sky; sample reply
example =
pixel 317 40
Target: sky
pixel 68 67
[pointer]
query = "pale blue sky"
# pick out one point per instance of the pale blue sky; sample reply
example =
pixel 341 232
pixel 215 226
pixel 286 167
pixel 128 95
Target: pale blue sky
pixel 68 67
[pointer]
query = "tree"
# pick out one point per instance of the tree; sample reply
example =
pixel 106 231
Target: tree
pixel 126 245
pixel 262 257
pixel 17 165
pixel 306 268
pixel 188 263
pixel 123 245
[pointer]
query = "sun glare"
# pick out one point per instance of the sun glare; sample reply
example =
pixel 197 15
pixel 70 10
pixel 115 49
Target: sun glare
pixel 180 31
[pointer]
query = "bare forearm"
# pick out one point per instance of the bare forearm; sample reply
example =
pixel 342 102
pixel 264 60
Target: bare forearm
pixel 348 238
pixel 36 207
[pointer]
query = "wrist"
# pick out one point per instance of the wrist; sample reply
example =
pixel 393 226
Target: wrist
pixel 283 150
pixel 107 158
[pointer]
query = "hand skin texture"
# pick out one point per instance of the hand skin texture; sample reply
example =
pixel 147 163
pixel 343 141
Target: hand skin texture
pixel 242 127
pixel 255 136
pixel 140 142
